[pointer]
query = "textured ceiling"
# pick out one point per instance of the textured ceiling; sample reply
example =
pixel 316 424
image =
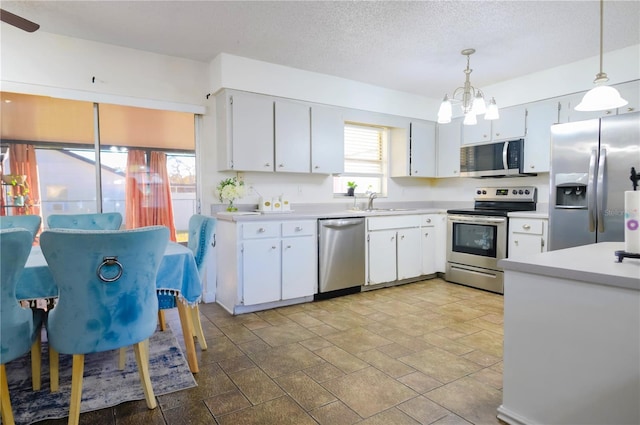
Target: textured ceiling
pixel 407 46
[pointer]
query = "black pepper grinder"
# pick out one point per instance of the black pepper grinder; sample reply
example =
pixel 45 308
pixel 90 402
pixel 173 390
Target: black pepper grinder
pixel 634 178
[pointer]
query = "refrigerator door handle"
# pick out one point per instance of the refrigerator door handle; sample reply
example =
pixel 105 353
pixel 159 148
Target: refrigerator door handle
pixel 591 188
pixel 600 189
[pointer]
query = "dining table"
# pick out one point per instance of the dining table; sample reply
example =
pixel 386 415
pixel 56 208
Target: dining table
pixel 177 276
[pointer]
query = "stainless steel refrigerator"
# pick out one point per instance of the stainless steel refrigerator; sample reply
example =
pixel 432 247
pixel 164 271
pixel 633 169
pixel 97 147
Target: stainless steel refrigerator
pixel 590 168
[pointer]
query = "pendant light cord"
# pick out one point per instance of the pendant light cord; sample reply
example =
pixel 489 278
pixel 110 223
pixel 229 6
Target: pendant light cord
pixel 601 32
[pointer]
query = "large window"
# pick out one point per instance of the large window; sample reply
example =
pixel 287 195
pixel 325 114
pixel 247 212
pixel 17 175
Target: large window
pixel 365 160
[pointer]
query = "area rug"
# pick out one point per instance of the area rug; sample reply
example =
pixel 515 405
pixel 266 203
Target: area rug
pixel 104 385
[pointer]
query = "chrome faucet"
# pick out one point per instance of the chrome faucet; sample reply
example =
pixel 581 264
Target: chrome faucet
pixel 372 196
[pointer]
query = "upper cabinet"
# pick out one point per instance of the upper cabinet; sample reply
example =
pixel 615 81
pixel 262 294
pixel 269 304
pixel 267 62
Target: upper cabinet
pixel 245 132
pixel 448 138
pixel 264 133
pixel 327 140
pixel 510 125
pixel 292 137
pixel 629 91
pixel 413 150
pixel 540 117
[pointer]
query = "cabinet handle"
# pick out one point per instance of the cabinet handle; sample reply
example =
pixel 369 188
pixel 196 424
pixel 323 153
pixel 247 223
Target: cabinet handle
pixel 426 234
pixel 316 167
pixel 267 164
pixel 515 242
pixel 532 166
pixel 497 134
pixel 280 165
pixel 631 109
pixel 262 230
pixel 288 246
pixel 428 220
pixel 415 171
pixel 526 227
pixel 273 247
pixel 608 112
pixel 402 237
pixel 484 136
pixel 393 237
pixel 298 228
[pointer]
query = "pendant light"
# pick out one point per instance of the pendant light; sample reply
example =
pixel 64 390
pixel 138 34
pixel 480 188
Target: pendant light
pixel 471 100
pixel 601 97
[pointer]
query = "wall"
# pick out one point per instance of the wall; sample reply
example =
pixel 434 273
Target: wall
pixel 58 66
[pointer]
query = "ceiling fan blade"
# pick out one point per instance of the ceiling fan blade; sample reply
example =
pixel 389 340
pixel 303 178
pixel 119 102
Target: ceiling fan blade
pixel 18 21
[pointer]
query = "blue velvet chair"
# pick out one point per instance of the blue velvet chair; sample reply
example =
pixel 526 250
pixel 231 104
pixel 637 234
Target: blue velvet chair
pixel 106 297
pixel 30 222
pixel 19 328
pixel 201 234
pixel 92 221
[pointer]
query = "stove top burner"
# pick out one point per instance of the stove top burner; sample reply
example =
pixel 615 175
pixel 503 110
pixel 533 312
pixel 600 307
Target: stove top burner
pixel 498 202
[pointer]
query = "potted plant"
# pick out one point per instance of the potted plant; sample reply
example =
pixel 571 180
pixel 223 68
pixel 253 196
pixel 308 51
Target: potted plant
pixel 228 190
pixel 351 188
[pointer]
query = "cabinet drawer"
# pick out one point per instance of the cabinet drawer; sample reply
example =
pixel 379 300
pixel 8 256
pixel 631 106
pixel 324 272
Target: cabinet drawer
pixel 260 230
pixel 299 228
pixel 393 222
pixel 525 225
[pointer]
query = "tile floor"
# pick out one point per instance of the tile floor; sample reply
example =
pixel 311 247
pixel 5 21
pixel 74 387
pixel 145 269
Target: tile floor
pixel 422 353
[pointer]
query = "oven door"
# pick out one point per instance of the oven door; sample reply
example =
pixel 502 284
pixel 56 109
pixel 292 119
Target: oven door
pixel 478 241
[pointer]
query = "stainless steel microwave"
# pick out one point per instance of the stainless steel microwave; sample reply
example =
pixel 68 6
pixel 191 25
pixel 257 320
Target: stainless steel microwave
pixel 493 159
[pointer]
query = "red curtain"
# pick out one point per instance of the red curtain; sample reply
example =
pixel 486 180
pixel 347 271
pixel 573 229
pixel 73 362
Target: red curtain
pixel 148 192
pixel 22 161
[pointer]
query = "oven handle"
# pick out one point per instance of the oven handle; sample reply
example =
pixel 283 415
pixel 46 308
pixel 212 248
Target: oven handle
pixel 476 219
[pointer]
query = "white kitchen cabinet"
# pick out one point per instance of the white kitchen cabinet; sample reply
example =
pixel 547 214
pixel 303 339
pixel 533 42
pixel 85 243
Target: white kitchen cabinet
pixel 537 146
pixel 433 246
pixel 265 264
pixel 393 248
pixel 510 126
pixel 448 137
pixel 527 236
pixel 413 151
pixel 629 91
pixel 245 132
pixel 327 140
pixel 382 259
pixel 292 137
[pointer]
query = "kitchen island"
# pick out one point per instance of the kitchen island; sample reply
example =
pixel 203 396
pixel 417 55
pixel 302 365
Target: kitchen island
pixel 572 338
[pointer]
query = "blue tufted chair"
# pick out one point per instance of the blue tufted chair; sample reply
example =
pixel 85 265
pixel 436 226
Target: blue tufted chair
pixel 106 297
pixel 29 222
pixel 94 221
pixel 201 234
pixel 19 328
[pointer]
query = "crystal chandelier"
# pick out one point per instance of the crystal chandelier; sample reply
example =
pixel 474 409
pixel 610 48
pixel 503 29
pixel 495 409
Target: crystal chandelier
pixel 471 100
pixel 601 97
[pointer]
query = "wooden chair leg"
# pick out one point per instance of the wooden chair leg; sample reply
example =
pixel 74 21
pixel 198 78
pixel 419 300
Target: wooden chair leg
pixel 76 389
pixel 142 358
pixel 6 412
pixel 54 370
pixel 161 321
pixel 197 327
pixel 187 333
pixel 122 358
pixel 36 362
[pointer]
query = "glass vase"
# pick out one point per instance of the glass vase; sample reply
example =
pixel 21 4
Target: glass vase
pixel 231 207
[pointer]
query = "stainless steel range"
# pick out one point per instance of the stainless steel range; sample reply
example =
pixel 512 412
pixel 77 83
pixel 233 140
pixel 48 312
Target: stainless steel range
pixel 477 238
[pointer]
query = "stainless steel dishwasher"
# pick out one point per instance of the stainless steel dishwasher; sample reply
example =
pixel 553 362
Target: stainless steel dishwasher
pixel 341 256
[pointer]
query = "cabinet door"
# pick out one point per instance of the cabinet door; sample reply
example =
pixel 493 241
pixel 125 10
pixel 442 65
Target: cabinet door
pixel 511 124
pixel 441 242
pixel 428 249
pixel 423 149
pixel 261 271
pixel 252 132
pixel 382 256
pixel 409 257
pixel 448 149
pixel 631 93
pixel 327 140
pixel 481 132
pixel 522 245
pixel 299 267
pixel 537 145
pixel 293 137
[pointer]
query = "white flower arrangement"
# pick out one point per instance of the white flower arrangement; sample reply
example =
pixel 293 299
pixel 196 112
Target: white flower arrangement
pixel 229 190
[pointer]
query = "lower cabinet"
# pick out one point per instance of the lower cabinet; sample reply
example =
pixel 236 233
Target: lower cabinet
pixel 527 236
pixel 433 247
pixel 266 262
pixel 396 249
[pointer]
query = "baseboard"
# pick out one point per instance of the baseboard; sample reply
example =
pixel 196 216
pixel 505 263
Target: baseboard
pixel 510 417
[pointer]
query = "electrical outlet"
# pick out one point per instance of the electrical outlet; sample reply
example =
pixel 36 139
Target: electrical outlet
pixel 240 176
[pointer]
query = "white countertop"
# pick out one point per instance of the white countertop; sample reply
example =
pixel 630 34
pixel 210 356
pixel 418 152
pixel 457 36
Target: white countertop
pixel 311 215
pixel 595 263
